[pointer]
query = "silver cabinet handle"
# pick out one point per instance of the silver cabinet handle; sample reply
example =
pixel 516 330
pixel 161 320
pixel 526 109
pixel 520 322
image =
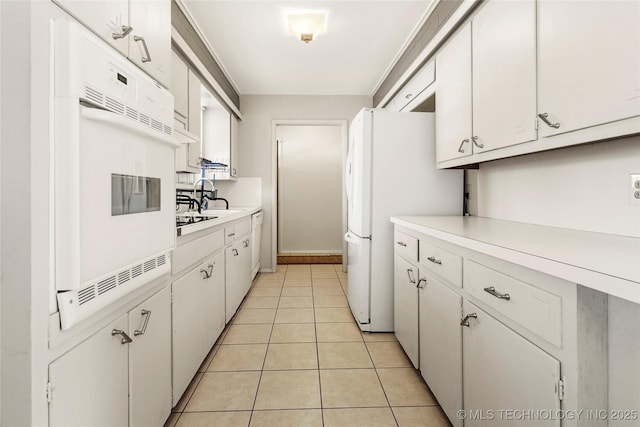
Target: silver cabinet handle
pixel 465 321
pixel 434 260
pixel 420 283
pixel 411 279
pixel 231 234
pixel 147 314
pixel 491 290
pixel 409 95
pixel 146 57
pixel 245 243
pixel 126 339
pixel 235 252
pixel 476 143
pixel 403 244
pixel 207 273
pixel 545 118
pixel 460 149
pixel 124 32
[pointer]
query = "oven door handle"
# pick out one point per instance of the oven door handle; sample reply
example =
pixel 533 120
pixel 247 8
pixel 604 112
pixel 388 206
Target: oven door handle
pixel 105 116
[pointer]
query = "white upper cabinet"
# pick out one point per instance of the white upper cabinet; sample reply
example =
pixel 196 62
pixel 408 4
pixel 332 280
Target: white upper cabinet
pixel 180 88
pixel 150 39
pixel 453 97
pixel 139 29
pixel 105 18
pixel 504 74
pixel 589 63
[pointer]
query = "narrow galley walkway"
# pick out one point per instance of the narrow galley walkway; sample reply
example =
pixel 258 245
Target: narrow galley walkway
pixel 294 356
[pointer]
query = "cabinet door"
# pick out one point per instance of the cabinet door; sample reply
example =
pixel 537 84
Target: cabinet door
pixel 233 285
pixel 405 303
pixel 150 361
pixel 588 77
pixel 453 97
pixel 233 163
pixel 150 40
pixel 441 345
pixel 104 17
pixel 502 370
pixel 214 299
pixel 180 86
pixel 245 264
pixel 90 382
pixel 194 120
pixel 188 329
pixel 504 74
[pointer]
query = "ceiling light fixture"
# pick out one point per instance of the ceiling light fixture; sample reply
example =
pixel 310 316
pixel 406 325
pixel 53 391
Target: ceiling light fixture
pixel 306 26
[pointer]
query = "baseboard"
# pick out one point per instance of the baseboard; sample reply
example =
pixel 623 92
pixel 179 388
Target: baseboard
pixel 309 259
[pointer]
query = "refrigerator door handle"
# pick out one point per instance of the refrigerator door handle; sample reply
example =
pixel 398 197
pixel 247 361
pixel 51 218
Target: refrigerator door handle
pixel 350 238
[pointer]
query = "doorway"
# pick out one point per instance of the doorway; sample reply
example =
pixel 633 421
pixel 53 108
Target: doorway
pixel 310 210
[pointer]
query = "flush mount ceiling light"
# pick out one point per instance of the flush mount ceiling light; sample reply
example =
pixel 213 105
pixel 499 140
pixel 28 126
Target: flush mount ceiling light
pixel 306 26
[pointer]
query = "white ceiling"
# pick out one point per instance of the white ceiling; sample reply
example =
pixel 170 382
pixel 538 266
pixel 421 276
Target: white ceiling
pixel 251 43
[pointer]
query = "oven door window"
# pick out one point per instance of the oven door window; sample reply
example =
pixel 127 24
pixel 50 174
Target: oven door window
pixel 132 194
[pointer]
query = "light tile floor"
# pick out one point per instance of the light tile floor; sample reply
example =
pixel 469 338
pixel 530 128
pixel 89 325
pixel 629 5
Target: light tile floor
pixel 294 356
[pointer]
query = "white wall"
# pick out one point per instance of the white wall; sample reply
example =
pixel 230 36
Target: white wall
pixel 584 187
pixel 255 138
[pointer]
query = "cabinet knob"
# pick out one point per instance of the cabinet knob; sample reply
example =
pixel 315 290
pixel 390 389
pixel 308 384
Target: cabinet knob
pixel 421 283
pixel 146 57
pixel 147 316
pixel 476 143
pixel 125 338
pixel 465 321
pixel 408 96
pixel 491 290
pixel 235 252
pixel 124 32
pixel 403 244
pixel 545 118
pixel 434 260
pixel 460 148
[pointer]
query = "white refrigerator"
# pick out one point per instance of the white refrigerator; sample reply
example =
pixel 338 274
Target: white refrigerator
pixel 390 171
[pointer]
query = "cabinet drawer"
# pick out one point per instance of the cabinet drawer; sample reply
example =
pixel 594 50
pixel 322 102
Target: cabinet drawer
pixel 187 254
pixel 531 307
pixel 405 245
pixel 444 263
pixel 243 227
pixel 414 87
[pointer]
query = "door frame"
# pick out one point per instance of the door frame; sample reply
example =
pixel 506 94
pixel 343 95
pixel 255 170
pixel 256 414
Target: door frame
pixel 274 178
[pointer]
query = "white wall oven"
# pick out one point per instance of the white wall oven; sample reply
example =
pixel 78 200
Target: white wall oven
pixel 113 175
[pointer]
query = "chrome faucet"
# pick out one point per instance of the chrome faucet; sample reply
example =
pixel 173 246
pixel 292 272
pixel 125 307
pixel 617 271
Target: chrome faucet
pixel 204 203
pixel 198 181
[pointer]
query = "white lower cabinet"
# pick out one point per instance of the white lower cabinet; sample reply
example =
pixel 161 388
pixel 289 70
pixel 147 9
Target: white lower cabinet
pixel 89 384
pixel 120 375
pixel 441 345
pixel 238 273
pixel 198 319
pixel 405 302
pixel 150 361
pixel 505 372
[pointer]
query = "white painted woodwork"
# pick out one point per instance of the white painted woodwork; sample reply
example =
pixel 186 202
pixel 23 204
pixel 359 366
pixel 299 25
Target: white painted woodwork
pixel 588 77
pixel 604 262
pixel 423 78
pixel 150 361
pixel 502 371
pixel 535 309
pixel 194 118
pixel 234 283
pixel 441 345
pixel 405 303
pixel 90 382
pixel 151 21
pixel 233 161
pixel 442 262
pixel 188 329
pixel 214 300
pixel 103 17
pixel 405 245
pixel 180 85
pixel 453 97
pixel 185 254
pixel 504 74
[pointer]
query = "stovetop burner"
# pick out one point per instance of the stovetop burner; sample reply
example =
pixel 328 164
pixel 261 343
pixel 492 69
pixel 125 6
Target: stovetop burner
pixel 182 221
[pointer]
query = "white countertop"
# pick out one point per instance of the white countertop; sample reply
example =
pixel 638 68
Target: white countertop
pixel 223 217
pixel 605 262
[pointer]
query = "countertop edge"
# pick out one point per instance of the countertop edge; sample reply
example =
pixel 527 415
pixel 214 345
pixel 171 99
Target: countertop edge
pixel 619 287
